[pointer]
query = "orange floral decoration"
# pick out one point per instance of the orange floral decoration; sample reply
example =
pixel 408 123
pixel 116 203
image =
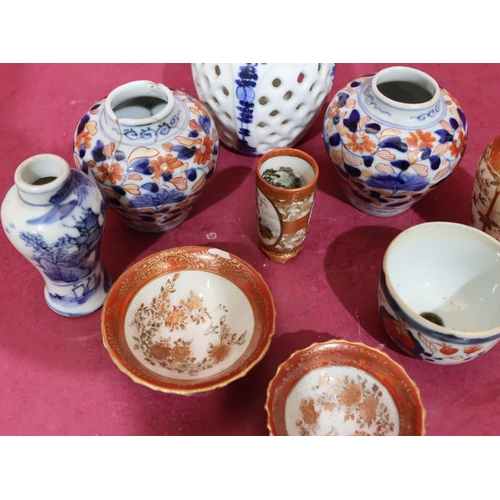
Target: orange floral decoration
pixel 351 395
pixel 113 172
pixel 398 329
pixel 194 303
pixel 176 318
pixel 360 143
pixel 220 352
pixel 164 164
pixel 161 351
pixel 420 140
pixel 368 409
pixel 458 144
pixel 202 154
pixel 83 139
pixel 180 353
pixel 308 411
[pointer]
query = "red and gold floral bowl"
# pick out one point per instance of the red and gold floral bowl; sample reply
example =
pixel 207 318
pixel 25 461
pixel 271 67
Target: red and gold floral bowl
pixel 188 320
pixel 341 388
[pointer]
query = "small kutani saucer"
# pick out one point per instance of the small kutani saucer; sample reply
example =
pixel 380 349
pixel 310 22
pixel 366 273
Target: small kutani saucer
pixel 341 388
pixel 188 320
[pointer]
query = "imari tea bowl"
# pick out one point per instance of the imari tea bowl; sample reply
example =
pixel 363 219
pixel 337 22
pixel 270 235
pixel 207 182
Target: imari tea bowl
pixel 341 388
pixel 188 320
pixel 439 294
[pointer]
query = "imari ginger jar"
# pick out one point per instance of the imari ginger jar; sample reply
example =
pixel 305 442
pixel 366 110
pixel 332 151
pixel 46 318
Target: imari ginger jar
pixel 54 216
pixel 393 137
pixel 485 213
pixel 259 107
pixel 151 150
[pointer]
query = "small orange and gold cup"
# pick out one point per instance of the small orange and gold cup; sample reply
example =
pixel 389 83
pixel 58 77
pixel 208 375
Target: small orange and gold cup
pixel 286 181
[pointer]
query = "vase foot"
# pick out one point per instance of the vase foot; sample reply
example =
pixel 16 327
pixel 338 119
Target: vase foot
pixel 73 306
pixel 281 258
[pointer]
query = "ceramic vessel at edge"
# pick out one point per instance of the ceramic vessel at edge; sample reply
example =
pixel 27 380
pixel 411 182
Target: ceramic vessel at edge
pixel 259 107
pixel 393 137
pixel 485 210
pixel 151 150
pixel 54 216
pixel 438 292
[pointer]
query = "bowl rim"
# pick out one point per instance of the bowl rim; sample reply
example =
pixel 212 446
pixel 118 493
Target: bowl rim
pixel 416 318
pixel 174 388
pixel 335 343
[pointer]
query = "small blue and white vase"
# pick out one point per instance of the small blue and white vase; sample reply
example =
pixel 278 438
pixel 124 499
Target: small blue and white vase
pixel 54 216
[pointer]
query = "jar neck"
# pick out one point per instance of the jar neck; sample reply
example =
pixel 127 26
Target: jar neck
pixel 403 96
pixel 139 103
pixel 40 177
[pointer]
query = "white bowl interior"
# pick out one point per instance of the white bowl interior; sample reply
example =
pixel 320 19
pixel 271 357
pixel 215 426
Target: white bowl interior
pixel 329 402
pixel 194 325
pixel 449 270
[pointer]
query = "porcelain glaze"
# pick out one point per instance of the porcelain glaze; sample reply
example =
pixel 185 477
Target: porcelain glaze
pixel 54 216
pixel 485 212
pixel 284 214
pixel 388 150
pixel 151 150
pixel 341 388
pixel 259 107
pixel 439 292
pixel 188 319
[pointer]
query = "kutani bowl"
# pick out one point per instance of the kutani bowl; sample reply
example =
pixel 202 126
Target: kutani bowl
pixel 439 292
pixel 341 388
pixel 188 320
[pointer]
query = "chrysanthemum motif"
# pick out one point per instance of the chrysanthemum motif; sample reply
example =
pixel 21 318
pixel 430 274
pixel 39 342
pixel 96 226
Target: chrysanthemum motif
pixel 351 395
pixel 154 322
pixel 308 411
pixel 204 151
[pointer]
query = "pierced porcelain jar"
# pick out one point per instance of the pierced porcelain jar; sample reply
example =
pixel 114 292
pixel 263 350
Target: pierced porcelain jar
pixel 54 216
pixel 151 150
pixel 259 107
pixel 393 137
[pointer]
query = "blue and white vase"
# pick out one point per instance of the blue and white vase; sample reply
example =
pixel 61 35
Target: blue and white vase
pixel 54 216
pixel 151 151
pixel 259 107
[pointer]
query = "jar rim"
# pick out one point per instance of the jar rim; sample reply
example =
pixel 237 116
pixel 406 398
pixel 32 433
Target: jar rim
pixel 410 75
pixel 137 89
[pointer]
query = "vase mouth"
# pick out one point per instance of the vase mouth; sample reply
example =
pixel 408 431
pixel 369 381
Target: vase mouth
pixel 40 176
pixel 302 164
pixel 405 88
pixel 139 103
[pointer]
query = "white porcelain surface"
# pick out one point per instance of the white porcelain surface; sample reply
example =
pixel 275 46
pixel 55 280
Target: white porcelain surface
pixel 196 320
pixel 259 107
pixel 340 401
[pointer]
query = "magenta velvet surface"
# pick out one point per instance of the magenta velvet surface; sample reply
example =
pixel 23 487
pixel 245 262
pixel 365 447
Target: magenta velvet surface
pixel 56 378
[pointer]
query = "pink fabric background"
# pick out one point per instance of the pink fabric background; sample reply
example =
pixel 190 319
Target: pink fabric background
pixel 56 378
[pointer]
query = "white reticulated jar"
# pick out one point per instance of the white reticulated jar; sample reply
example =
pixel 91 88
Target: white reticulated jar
pixel 259 107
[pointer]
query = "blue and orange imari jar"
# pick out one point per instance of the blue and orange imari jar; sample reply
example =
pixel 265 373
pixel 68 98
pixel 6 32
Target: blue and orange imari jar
pixel 393 137
pixel 151 150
